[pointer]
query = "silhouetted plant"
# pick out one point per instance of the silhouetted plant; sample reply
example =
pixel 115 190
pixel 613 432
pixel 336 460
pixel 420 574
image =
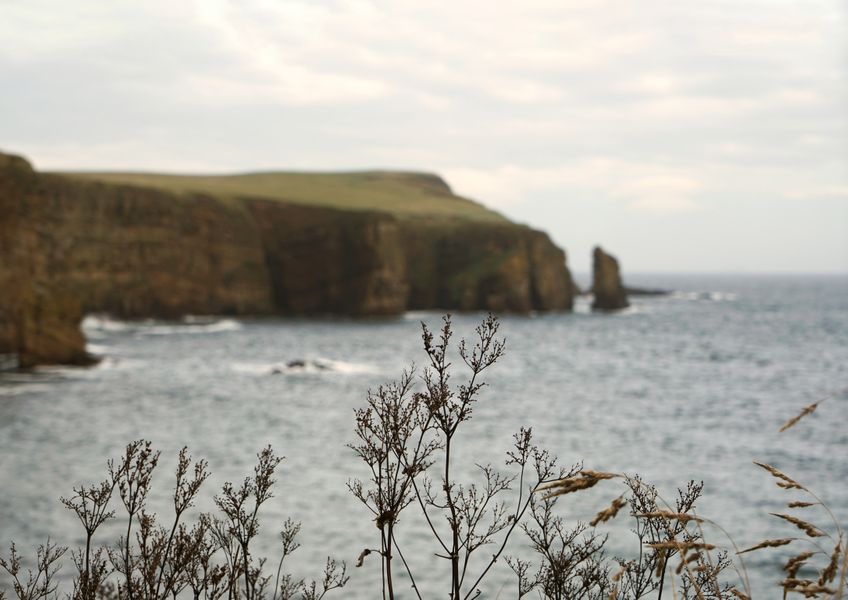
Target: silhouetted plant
pixel 209 559
pixel 571 560
pixel 38 583
pixel 132 478
pixel 91 506
pixel 406 439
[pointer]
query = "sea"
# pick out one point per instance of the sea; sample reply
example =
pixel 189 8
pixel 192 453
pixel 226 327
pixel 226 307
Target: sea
pixel 691 386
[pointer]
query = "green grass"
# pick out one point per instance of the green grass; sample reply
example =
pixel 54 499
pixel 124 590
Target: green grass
pixel 405 195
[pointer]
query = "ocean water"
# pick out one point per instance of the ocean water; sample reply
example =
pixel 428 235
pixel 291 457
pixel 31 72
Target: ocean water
pixel 691 386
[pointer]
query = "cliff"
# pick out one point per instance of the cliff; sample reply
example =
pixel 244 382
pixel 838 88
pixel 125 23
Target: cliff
pixel 39 318
pixel 607 288
pixel 145 245
pixel 497 267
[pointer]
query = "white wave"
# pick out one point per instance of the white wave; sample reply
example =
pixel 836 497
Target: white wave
pixel 252 368
pixel 20 389
pixel 192 328
pixel 419 315
pixel 633 309
pixel 92 323
pixel 582 306
pixel 308 366
pixel 124 364
pixel 722 296
pixel 107 363
pixel 199 319
pixel 339 366
pixel 97 349
pixel 686 295
pixel 705 296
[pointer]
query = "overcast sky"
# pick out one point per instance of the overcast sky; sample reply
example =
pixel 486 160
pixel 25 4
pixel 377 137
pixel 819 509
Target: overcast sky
pixel 709 135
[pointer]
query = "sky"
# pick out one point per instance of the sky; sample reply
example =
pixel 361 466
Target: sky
pixel 682 136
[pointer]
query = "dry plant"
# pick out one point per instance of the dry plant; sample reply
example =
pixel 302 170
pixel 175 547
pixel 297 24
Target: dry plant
pixel 407 439
pixel 825 557
pixel 406 435
pixel 672 553
pixel 209 559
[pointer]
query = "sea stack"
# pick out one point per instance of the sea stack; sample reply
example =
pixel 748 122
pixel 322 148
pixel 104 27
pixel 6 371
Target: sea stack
pixel 609 293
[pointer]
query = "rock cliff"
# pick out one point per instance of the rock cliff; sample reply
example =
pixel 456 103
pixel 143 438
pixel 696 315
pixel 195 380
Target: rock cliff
pixel 328 261
pixel 164 246
pixel 607 288
pixel 39 317
pixel 498 267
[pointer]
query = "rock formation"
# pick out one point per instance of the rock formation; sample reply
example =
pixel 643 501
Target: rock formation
pixel 608 291
pixel 497 267
pixel 636 291
pixel 75 245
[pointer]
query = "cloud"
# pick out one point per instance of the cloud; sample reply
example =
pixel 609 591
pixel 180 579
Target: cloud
pixel 838 192
pixel 642 187
pixel 661 193
pixel 650 108
pixel 287 86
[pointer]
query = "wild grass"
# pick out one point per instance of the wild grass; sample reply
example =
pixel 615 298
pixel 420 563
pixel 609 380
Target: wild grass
pixel 404 195
pixel 406 437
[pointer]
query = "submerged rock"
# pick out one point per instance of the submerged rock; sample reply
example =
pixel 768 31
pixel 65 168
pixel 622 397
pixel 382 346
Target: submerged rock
pixel 635 291
pixel 300 365
pixel 609 292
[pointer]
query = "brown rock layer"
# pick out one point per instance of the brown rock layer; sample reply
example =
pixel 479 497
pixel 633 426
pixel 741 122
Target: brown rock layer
pixel 70 247
pixel 502 268
pixel 609 292
pixel 321 260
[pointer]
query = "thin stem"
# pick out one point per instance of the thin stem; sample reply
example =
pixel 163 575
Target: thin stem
pixel 841 589
pixel 277 580
pixel 742 574
pixel 167 552
pixel 245 560
pixel 503 545
pixel 383 562
pixel 427 516
pixel 454 553
pixel 128 559
pixel 662 577
pixel 87 554
pixel 387 542
pixel 406 566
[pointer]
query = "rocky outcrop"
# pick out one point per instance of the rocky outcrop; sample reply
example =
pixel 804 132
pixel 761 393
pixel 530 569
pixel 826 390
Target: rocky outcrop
pixel 39 317
pixel 607 289
pixel 49 329
pixel 70 246
pixel 636 291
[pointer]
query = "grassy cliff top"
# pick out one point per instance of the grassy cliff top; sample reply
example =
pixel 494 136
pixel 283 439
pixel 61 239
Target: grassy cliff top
pixel 404 195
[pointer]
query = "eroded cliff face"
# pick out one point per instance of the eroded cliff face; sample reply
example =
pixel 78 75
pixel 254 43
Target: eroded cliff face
pixel 39 316
pixel 325 261
pixel 133 252
pixel 502 268
pixel 70 247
